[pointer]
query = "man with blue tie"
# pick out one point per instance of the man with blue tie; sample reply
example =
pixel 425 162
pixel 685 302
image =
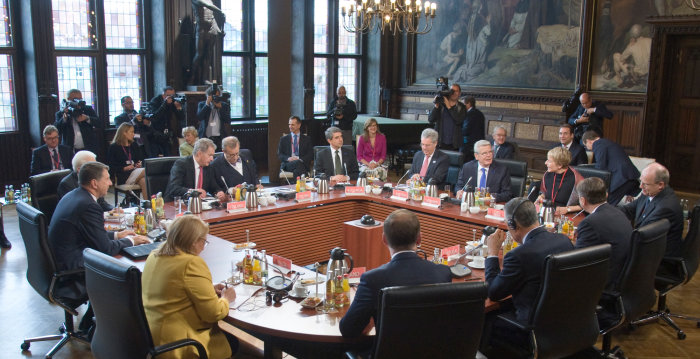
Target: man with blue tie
pixel 294 150
pixel 51 156
pixel 485 173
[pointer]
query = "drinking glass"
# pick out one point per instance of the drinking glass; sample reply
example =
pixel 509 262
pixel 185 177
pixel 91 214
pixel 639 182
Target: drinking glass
pixel 177 201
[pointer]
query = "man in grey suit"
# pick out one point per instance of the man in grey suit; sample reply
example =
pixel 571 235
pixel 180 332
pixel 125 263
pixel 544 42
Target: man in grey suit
pixel 430 163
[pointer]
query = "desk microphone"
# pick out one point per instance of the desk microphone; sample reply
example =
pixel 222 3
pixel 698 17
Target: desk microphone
pixel 287 179
pixel 346 171
pixel 466 184
pixel 531 191
pixel 404 175
pixel 225 184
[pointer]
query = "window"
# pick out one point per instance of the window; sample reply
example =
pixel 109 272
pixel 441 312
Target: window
pixel 337 56
pixel 78 51
pixel 244 62
pixel 8 121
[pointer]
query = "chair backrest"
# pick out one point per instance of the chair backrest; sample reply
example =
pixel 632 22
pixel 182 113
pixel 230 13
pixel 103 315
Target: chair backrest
pixel 40 262
pixel 636 286
pixel 564 319
pixel 114 288
pixel 158 173
pixel 691 244
pixel 449 316
pixel 518 174
pixel 589 171
pixel 456 162
pixel 44 191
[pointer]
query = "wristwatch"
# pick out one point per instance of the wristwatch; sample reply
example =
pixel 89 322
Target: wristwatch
pixel 567 209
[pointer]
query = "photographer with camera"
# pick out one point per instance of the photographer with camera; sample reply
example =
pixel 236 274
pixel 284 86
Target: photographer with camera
pixel 76 122
pixel 589 115
pixel 142 126
pixel 341 112
pixel 214 116
pixel 448 115
pixel 167 117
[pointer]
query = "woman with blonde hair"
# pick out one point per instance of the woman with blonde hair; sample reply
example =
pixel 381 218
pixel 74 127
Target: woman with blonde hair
pixel 559 182
pixel 125 158
pixel 371 150
pixel 190 135
pixel 179 298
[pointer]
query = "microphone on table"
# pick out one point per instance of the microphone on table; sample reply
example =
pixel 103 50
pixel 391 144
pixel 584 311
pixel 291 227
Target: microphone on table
pixel 531 191
pixel 404 175
pixel 466 184
pixel 346 171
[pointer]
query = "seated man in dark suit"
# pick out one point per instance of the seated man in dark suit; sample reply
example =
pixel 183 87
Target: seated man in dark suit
pixel 604 224
pixel 521 274
pixel 501 148
pixel 657 201
pixel 51 156
pixel 401 235
pixel 193 172
pixel 578 153
pixel 429 162
pixel 338 163
pixel 70 181
pixel 78 223
pixel 76 123
pixel 483 173
pixel 612 157
pixel 295 150
pixel 234 166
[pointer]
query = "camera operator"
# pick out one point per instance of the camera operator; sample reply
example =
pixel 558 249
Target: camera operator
pixel 76 122
pixel 341 112
pixel 142 126
pixel 447 115
pixel 214 116
pixel 167 117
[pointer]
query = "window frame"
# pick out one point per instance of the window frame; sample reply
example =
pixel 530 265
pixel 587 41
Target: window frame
pixel 13 53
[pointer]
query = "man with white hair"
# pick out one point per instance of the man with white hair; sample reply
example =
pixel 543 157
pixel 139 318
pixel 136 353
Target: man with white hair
pixel 194 173
pixel 70 181
pixel 501 148
pixel 482 172
pixel 430 162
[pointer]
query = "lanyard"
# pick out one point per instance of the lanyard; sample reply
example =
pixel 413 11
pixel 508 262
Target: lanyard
pixel 56 159
pixel 554 196
pixel 128 154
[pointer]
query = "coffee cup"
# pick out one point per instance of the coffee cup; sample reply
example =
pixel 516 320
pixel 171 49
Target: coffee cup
pixel 478 261
pixel 271 200
pixel 299 291
pixel 262 201
pixel 368 189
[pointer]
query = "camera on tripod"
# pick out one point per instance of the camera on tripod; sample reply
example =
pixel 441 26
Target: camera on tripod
pixel 444 90
pixel 75 107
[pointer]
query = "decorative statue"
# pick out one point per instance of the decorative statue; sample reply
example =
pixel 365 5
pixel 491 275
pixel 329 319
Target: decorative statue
pixel 209 26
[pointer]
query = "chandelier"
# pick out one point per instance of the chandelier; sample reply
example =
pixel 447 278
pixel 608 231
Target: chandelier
pixel 693 4
pixel 395 16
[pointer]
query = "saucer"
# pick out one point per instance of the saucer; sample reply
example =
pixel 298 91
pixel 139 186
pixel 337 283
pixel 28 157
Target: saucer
pixel 292 294
pixel 475 266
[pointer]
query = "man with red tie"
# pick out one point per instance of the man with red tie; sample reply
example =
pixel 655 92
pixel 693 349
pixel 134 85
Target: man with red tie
pixel 430 162
pixel 193 173
pixel 51 156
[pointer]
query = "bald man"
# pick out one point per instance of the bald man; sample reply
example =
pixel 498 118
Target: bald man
pixel 588 116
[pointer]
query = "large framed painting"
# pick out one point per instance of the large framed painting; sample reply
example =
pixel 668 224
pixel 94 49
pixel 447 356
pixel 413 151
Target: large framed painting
pixel 621 45
pixel 502 43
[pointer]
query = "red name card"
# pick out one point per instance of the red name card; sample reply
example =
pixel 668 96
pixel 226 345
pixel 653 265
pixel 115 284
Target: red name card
pixel 354 190
pixel 400 195
pixel 235 206
pixel 303 196
pixel 449 251
pixel 431 201
pixel 496 212
pixel 282 262
pixel 357 272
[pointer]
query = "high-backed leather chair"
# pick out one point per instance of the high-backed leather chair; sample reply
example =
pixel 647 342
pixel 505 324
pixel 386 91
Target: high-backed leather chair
pixel 158 173
pixel 456 162
pixel 121 329
pixel 425 321
pixel 518 174
pixel 563 321
pixel 43 187
pixel 589 171
pixel 676 271
pixel 43 276
pixel 634 295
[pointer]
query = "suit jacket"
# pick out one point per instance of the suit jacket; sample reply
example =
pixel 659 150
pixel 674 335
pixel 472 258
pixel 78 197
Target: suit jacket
pixel 117 159
pixel 70 182
pixel 457 113
pixel 87 129
pixel 203 113
pixel 612 157
pixel 437 168
pixel 405 268
pixel 162 112
pixel 41 158
pixel 349 114
pixel 180 302
pixel 497 179
pixel 663 205
pixel 523 266
pixel 182 179
pixel 306 149
pixel 324 162
pixel 607 225
pixel 578 154
pixel 473 129
pixel 78 223
pixel 595 120
pixel 223 168
pixel 506 150
pixel 143 130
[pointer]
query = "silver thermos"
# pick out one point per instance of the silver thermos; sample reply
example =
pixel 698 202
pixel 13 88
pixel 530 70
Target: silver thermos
pixel 251 197
pixel 362 180
pixel 547 212
pixel 431 188
pixel 323 184
pixel 468 197
pixel 194 204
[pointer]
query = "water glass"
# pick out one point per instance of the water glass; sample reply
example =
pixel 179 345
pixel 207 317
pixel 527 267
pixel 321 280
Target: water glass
pixel 177 201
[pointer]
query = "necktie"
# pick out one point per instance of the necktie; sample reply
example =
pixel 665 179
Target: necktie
pixel 295 150
pixel 495 152
pixel 200 180
pixel 644 209
pixel 482 180
pixel 424 168
pixel 56 161
pixel 338 165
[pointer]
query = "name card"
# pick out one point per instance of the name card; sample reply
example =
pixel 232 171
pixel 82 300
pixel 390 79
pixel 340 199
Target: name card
pixel 357 272
pixel 238 206
pixel 282 262
pixel 431 201
pixel 450 251
pixel 354 190
pixel 303 196
pixel 496 213
pixel 400 195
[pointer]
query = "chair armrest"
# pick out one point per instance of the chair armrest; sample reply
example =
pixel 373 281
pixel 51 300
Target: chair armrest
pixel 69 272
pixel 351 355
pixel 179 344
pixel 510 319
pixel 68 306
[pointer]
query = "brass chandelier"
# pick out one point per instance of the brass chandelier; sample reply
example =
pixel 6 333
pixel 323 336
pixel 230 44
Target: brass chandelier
pixel 395 16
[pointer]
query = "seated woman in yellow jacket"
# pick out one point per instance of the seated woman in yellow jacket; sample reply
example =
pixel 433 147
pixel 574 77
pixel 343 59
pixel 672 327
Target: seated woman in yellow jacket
pixel 179 298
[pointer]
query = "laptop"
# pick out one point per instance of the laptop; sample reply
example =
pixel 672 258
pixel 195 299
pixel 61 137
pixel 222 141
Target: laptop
pixel 141 251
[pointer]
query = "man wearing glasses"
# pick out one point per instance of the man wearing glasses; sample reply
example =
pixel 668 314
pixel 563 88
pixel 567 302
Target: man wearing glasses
pixel 51 156
pixel 234 166
pixel 484 173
